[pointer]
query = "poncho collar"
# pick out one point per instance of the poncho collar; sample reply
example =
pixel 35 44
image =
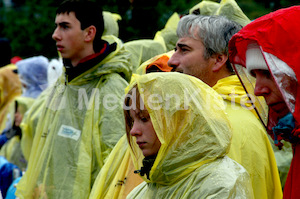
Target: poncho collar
pixel 88 62
pixel 232 90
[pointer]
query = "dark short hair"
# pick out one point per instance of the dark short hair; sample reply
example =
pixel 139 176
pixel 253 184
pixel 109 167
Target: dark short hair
pixel 88 13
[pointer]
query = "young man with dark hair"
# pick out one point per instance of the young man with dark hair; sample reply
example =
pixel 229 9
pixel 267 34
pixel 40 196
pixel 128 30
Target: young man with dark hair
pixel 82 117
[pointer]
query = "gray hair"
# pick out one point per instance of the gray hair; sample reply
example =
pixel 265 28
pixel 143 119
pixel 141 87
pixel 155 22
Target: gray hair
pixel 214 32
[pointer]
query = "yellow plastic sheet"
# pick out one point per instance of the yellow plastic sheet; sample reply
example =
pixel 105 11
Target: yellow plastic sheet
pixel 29 122
pixel 111 26
pixel 205 8
pixel 116 178
pixel 142 50
pixel 75 135
pixel 167 36
pixel 228 8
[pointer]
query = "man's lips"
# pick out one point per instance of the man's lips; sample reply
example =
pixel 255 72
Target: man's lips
pixel 279 107
pixel 277 104
pixel 59 47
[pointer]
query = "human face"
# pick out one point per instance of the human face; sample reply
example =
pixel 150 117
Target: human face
pixel 144 132
pixel 189 59
pixel 18 117
pixel 69 37
pixel 265 86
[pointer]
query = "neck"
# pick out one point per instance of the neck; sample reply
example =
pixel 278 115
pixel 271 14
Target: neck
pixel 87 52
pixel 223 73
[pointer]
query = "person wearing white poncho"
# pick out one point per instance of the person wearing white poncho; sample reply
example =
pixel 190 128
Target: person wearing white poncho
pixel 190 137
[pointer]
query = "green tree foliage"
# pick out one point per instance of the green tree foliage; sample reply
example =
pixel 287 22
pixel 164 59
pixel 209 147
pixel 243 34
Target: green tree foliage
pixel 30 26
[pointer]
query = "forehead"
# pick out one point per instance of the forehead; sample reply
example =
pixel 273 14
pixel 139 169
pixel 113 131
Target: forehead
pixel 68 18
pixel 189 42
pixel 261 73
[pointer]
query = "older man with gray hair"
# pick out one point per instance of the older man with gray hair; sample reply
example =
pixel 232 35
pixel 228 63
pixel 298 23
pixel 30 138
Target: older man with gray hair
pixel 202 51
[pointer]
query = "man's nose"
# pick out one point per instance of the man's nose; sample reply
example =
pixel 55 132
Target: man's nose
pixel 260 88
pixel 55 35
pixel 173 62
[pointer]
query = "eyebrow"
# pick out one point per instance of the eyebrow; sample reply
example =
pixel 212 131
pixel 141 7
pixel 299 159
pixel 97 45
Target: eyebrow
pixel 62 23
pixel 180 45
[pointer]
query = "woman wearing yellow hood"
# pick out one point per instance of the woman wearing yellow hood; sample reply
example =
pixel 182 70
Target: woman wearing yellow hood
pixel 179 136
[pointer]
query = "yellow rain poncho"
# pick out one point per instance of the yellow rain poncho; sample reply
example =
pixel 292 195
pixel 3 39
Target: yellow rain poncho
pixel 111 26
pixel 228 8
pixel 80 123
pixel 29 122
pixel 250 144
pixel 192 126
pixel 167 36
pixel 10 88
pixel 11 150
pixel 205 8
pixel 142 50
pixel 157 63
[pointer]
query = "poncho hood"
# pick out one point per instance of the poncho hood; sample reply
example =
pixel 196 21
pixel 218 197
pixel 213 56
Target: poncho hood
pixel 189 119
pixel 276 35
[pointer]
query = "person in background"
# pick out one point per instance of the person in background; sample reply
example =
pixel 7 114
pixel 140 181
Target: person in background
pixel 8 173
pixel 111 26
pixel 32 72
pixel 266 55
pixel 227 8
pixel 81 119
pixel 142 50
pixel 10 88
pixel 167 36
pixel 202 51
pixel 11 150
pixel 183 140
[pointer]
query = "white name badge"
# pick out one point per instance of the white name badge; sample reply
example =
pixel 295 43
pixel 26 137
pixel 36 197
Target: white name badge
pixel 69 132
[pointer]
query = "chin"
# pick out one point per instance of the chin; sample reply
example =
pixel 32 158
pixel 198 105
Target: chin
pixel 281 112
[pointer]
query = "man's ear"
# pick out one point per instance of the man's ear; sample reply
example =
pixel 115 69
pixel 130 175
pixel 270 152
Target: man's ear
pixel 90 33
pixel 220 61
